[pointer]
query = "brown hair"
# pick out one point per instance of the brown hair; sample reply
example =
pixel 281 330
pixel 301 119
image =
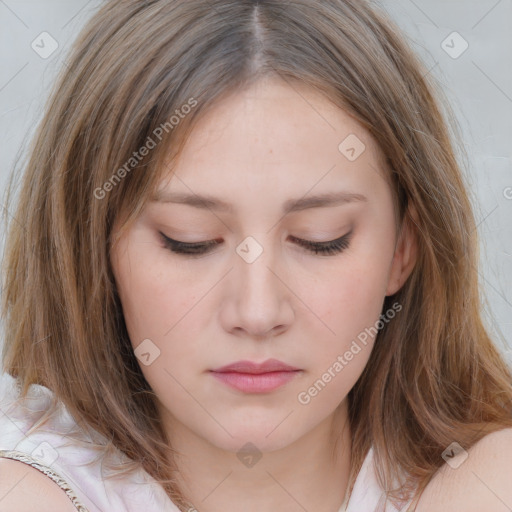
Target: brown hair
pixel 434 375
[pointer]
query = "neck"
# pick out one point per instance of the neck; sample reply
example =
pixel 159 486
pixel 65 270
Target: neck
pixel 309 474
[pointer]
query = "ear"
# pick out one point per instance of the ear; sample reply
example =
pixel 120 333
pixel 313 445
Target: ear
pixel 406 252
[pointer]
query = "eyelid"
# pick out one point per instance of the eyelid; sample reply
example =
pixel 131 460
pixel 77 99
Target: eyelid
pixel 327 248
pixel 171 243
pixel 320 242
pixel 215 242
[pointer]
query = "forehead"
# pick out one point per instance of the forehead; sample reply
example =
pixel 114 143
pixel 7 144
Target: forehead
pixel 275 139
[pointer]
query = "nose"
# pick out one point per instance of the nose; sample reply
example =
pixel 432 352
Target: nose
pixel 258 301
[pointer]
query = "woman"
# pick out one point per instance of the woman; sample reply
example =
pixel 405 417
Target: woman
pixel 247 271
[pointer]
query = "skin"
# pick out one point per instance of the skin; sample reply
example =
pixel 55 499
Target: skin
pixel 199 316
pixel 255 150
pixel 25 489
pixel 481 482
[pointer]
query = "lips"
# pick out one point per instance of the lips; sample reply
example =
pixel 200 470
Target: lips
pixel 268 366
pixel 250 377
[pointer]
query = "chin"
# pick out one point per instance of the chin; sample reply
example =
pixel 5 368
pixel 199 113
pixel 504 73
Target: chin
pixel 249 440
pixel 268 433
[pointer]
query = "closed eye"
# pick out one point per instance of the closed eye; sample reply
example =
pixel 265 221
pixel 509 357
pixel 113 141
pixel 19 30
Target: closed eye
pixel 328 248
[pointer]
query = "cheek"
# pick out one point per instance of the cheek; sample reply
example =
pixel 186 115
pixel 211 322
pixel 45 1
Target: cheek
pixel 155 297
pixel 158 305
pixel 351 298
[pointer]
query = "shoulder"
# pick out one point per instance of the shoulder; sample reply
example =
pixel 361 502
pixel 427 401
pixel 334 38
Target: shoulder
pixel 24 489
pixel 473 480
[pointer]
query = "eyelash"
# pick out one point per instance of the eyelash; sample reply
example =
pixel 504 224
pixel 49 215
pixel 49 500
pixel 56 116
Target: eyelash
pixel 200 248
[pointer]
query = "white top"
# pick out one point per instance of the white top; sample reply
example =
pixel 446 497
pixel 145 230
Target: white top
pixel 62 459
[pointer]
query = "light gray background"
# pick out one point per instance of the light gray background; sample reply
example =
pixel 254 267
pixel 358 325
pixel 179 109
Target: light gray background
pixel 478 84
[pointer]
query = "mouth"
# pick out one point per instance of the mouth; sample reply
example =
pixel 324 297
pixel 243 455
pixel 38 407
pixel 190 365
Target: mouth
pixel 250 377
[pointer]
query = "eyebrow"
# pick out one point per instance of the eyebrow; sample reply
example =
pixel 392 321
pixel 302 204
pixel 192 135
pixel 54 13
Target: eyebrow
pixel 326 200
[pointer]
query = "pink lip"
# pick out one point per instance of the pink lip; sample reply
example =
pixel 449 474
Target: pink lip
pixel 252 377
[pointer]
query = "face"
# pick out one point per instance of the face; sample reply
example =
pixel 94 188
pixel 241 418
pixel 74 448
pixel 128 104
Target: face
pixel 262 279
